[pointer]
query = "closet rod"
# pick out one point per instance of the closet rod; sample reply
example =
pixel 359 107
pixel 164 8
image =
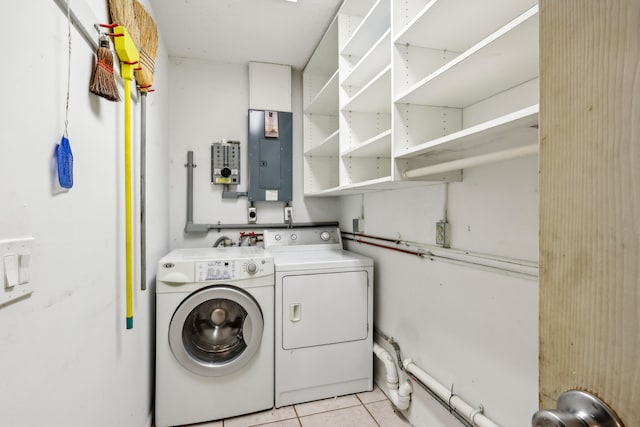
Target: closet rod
pixel 85 32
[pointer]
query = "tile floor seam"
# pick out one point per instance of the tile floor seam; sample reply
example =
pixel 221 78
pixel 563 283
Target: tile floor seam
pixel 339 409
pixel 329 410
pixel 372 416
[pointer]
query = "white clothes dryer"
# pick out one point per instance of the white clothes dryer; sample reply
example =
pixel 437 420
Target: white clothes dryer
pixel 323 316
pixel 214 334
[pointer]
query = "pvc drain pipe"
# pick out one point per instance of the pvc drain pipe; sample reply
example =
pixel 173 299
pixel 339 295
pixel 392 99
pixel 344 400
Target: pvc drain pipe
pixel 399 394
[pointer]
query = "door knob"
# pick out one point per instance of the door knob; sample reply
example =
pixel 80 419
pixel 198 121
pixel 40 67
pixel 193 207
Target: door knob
pixel 577 409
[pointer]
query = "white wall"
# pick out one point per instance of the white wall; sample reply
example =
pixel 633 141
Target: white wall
pixel 66 358
pixel 474 328
pixel 209 103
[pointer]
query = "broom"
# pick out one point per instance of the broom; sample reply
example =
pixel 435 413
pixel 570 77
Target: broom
pixel 103 83
pixel 122 13
pixel 148 46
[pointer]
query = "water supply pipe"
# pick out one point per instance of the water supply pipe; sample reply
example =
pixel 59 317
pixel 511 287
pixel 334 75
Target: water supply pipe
pixel 475 416
pixel 399 394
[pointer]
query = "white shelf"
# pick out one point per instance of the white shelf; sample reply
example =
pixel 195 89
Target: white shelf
pixel 328 147
pixel 378 146
pixel 326 101
pixel 374 24
pixel 503 60
pixel 490 54
pixel 509 131
pixel 456 25
pixel 378 57
pixel 385 183
pixel 329 192
pixel 375 97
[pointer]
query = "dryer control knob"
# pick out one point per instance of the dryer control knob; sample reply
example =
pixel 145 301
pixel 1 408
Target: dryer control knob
pixel 252 268
pixel 325 235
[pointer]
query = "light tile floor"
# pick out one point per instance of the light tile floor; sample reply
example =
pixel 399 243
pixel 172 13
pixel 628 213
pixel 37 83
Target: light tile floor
pixel 370 409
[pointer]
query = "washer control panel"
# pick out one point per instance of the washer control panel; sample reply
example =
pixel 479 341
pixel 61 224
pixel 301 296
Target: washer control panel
pixel 232 269
pixel 329 236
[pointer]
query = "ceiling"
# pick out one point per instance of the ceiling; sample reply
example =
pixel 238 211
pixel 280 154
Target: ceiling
pixel 239 31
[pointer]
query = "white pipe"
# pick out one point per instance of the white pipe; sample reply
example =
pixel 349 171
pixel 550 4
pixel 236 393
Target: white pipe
pixel 399 394
pixel 472 414
pixel 512 153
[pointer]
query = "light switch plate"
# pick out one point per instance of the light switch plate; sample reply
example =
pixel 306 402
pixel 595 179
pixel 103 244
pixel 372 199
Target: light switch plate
pixel 22 248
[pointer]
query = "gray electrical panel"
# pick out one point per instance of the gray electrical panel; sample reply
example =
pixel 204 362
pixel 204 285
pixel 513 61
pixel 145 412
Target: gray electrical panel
pixel 270 156
pixel 225 162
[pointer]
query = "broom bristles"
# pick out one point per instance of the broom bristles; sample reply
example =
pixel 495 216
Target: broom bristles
pixel 102 82
pixel 122 13
pixel 148 44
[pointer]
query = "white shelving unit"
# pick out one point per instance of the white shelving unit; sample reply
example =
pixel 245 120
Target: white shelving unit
pixel 501 61
pixel 483 98
pixel 320 106
pixel 455 25
pixel 512 130
pixel 365 95
pixel 446 80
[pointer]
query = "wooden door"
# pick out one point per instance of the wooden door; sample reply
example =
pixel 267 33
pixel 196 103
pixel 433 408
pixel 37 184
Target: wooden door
pixel 590 202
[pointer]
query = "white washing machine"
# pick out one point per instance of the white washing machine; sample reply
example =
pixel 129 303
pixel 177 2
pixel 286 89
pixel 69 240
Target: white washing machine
pixel 214 334
pixel 324 316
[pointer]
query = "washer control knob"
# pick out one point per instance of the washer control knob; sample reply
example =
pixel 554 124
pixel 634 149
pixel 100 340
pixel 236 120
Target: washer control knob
pixel 252 268
pixel 294 237
pixel 277 237
pixel 325 236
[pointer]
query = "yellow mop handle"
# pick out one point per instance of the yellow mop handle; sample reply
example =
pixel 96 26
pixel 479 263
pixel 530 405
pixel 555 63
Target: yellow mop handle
pixel 129 57
pixel 128 208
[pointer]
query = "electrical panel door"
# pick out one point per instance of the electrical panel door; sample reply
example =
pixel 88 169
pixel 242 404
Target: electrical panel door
pixel 270 157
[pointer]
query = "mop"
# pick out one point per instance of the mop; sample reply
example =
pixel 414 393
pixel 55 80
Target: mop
pixel 129 57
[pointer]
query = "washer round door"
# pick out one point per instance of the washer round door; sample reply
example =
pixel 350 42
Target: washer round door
pixel 216 331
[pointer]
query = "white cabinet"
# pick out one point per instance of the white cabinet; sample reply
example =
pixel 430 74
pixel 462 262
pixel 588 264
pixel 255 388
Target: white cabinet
pixel 427 82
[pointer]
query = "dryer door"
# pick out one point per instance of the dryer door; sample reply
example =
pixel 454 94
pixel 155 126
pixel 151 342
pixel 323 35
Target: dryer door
pixel 216 331
pixel 326 308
